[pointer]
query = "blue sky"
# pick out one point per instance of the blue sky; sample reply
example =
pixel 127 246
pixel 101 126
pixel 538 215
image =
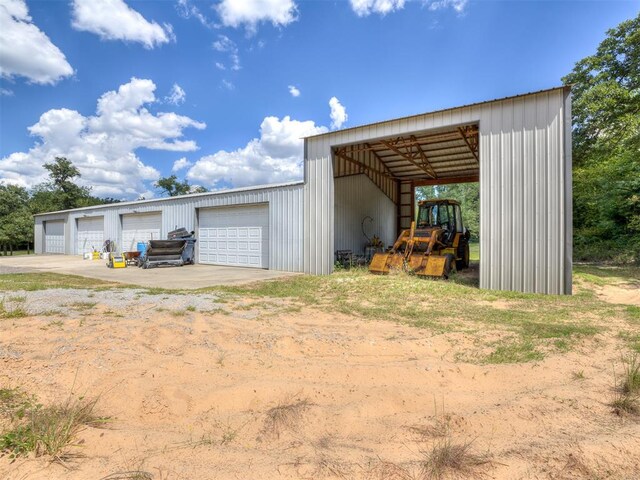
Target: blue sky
pixel 204 88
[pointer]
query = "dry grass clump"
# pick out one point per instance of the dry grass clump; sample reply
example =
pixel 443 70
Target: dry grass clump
pixel 384 470
pixel 627 388
pixel 448 459
pixel 285 416
pixel 131 475
pixel 44 430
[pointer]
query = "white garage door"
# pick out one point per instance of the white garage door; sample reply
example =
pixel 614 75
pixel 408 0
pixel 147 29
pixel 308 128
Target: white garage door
pixel 54 236
pixel 90 234
pixel 140 228
pixel 236 236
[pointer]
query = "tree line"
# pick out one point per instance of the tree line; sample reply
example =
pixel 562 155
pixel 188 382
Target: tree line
pixel 59 192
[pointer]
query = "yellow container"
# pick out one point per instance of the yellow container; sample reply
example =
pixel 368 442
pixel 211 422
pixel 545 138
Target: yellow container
pixel 95 255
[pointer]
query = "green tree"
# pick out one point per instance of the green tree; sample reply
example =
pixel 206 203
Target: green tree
pixel 16 221
pixel 468 194
pixel 173 187
pixel 606 139
pixel 66 193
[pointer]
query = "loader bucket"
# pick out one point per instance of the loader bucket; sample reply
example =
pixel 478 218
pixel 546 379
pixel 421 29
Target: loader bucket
pixel 432 266
pixel 383 263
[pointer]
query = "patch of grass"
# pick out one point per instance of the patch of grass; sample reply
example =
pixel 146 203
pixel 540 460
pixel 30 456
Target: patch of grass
pixel 448 459
pixel 579 375
pixel 49 430
pixel 17 312
pixel 17 299
pixel 632 339
pixel 130 475
pixel 285 416
pixel 627 387
pixel 601 274
pixel 633 313
pixel 178 313
pixel 82 305
pixel 12 282
pixel 517 352
pixel 191 308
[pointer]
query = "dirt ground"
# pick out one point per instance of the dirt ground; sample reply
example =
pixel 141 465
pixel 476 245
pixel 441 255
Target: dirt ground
pixel 201 387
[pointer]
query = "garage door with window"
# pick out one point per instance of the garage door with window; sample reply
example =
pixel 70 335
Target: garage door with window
pixel 54 236
pixel 235 236
pixel 140 227
pixel 90 234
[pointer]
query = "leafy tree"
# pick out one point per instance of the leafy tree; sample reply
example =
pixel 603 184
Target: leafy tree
pixel 16 221
pixel 606 139
pixel 66 193
pixel 468 194
pixel 173 187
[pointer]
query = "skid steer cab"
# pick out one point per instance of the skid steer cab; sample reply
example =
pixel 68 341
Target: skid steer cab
pixel 435 245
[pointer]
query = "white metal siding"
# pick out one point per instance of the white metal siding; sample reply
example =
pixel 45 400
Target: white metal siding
pixel 525 188
pixel 286 232
pixel 54 236
pixel 90 234
pixel 357 197
pixel 236 236
pixel 140 228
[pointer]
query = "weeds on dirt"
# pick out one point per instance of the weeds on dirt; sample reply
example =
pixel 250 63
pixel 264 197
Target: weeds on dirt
pixel 44 430
pixel 285 416
pixel 130 475
pixel 17 312
pixel 82 305
pixel 448 458
pixel 627 388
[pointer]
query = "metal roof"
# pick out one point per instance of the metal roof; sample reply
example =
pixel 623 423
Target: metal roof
pixel 179 197
pixel 545 90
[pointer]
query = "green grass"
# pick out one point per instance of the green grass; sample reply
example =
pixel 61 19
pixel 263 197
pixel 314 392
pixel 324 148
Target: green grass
pixel 539 323
pixel 607 274
pixel 517 352
pixel 43 430
pixel 474 251
pixel 12 282
pixel 7 312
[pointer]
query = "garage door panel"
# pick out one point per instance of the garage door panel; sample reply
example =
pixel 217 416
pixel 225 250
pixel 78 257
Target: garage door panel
pixel 235 236
pixel 140 228
pixel 54 236
pixel 90 234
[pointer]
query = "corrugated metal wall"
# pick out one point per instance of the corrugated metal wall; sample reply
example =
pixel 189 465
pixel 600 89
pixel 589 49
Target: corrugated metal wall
pixel 357 197
pixel 525 188
pixel 285 219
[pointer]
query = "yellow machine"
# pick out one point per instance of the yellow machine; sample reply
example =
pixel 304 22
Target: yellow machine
pixel 116 260
pixel 436 244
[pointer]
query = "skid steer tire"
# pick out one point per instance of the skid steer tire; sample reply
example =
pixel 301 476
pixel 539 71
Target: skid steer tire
pixel 449 266
pixel 463 253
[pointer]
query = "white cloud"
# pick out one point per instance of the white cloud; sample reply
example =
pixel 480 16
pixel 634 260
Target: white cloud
pixel 180 164
pixel 250 13
pixel 177 96
pixel 5 92
pixel 115 20
pixel 225 45
pixel 187 10
pixel 457 5
pixel 363 8
pixel 295 92
pixel 338 113
pixel 275 157
pixel 25 50
pixel 103 146
pixel 228 85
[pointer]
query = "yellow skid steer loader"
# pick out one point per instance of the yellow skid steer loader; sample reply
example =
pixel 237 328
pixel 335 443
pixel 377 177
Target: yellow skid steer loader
pixel 436 243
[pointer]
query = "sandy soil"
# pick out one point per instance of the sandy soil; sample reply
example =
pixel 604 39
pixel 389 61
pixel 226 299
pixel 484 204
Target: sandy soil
pixel 192 396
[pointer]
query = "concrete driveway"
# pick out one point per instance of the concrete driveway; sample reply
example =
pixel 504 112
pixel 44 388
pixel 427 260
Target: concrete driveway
pixel 187 277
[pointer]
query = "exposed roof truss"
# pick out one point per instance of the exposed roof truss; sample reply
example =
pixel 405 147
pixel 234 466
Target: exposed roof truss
pixel 432 157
